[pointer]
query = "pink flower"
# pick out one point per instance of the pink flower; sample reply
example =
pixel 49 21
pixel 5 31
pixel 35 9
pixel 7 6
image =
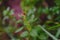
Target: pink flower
pixel 15 5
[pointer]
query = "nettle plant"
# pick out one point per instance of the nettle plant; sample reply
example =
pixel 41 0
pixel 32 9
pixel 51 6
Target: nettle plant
pixel 31 26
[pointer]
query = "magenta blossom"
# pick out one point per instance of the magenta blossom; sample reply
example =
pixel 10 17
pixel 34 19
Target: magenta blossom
pixel 15 5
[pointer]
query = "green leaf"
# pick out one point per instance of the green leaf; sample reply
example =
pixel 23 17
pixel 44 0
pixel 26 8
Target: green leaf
pixel 19 21
pixel 9 29
pixel 4 12
pixel 53 37
pixel 46 10
pixel 18 30
pixel 34 33
pixel 43 36
pixel 24 34
pixel 11 12
pixel 58 33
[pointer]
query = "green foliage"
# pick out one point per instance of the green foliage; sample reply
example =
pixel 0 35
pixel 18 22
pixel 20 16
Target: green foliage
pixel 33 30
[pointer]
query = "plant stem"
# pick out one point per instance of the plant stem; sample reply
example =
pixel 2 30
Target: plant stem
pixel 54 38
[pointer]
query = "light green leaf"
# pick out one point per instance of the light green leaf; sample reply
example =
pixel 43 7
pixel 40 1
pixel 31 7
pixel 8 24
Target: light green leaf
pixel 34 33
pixel 18 30
pixel 24 34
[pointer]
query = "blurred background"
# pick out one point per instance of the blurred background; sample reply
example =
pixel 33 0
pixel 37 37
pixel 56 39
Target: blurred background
pixel 29 19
